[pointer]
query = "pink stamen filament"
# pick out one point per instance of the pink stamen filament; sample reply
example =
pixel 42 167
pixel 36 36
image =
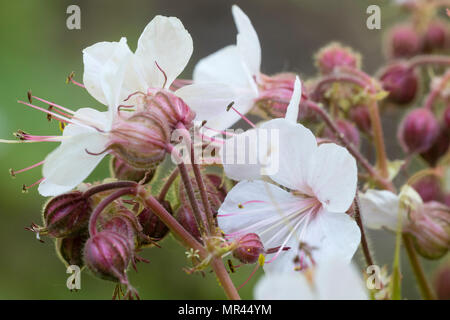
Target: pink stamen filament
pixel 224 132
pixel 32 185
pixel 54 105
pixel 243 117
pixel 46 111
pixel 77 83
pixel 248 279
pixel 13 172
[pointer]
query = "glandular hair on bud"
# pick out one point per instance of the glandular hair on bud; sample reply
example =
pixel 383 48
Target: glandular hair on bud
pixel 336 55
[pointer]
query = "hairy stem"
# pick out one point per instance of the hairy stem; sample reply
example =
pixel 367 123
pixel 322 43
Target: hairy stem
pixel 225 280
pixel 168 184
pixel 364 243
pixel 377 130
pixel 108 186
pixel 429 59
pixel 422 281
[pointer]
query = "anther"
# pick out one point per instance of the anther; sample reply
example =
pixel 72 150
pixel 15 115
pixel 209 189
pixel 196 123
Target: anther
pixel 30 99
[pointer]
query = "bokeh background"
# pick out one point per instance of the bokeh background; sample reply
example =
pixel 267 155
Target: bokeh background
pixel 38 52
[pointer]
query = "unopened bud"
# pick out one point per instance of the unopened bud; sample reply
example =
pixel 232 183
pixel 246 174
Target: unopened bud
pixel 65 215
pixel 430 228
pixel 361 117
pixel 123 171
pixel 438 149
pixel 70 250
pixel 350 132
pixel 185 217
pixel 418 131
pixel 435 37
pixel 401 82
pixel 125 223
pixel 442 282
pixel 249 248
pixel 403 42
pixel 152 226
pixel 107 254
pixel 429 188
pixel 336 55
pixel 447 117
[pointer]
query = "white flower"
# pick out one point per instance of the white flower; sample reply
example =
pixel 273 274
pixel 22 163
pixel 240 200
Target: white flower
pixel 85 138
pixel 236 65
pixel 308 223
pixel 163 51
pixel 380 208
pixel 333 280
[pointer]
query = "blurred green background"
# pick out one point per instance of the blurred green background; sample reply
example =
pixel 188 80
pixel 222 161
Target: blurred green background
pixel 38 52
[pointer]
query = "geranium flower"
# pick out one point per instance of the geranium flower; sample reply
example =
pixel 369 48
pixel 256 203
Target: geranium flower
pixel 163 51
pixel 85 136
pixel 301 209
pixel 334 280
pixel 239 67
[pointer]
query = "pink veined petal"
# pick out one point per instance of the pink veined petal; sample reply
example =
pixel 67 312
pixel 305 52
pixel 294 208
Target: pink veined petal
pixel 165 41
pixel 332 177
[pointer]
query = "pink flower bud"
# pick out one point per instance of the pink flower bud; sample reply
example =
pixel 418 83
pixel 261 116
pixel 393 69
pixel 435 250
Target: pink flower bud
pixel 418 131
pixel 435 37
pixel 442 282
pixel 335 55
pixel 438 149
pixel 430 228
pixel 169 108
pixel 349 131
pixel 70 250
pixel 275 92
pixel 249 248
pixel 401 82
pixel 107 254
pixel 66 215
pixel 152 226
pixel 429 189
pixel 186 218
pixel 141 139
pixel 123 171
pixel 361 117
pixel 403 42
pixel 125 223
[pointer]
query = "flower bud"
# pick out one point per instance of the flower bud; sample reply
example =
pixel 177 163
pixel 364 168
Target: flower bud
pixel 361 117
pixel 185 217
pixel 418 131
pixel 141 139
pixel 275 92
pixel 107 254
pixel 152 226
pixel 65 215
pixel 435 37
pixel 429 188
pixel 169 108
pixel 70 250
pixel 442 282
pixel 403 42
pixel 335 55
pixel 125 223
pixel 430 228
pixel 349 131
pixel 123 171
pixel 249 248
pixel 438 149
pixel 401 82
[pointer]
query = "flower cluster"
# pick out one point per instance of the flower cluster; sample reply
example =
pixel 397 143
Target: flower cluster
pixel 292 194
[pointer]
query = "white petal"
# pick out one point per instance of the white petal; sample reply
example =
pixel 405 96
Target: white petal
pixel 92 118
pixel 284 286
pixel 332 176
pixel 246 156
pixel 69 164
pixel 98 57
pixel 332 234
pixel 339 280
pixel 293 151
pixel 48 189
pixel 267 205
pixel 247 41
pixel 224 66
pixel 166 42
pixel 294 104
pixel 379 209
